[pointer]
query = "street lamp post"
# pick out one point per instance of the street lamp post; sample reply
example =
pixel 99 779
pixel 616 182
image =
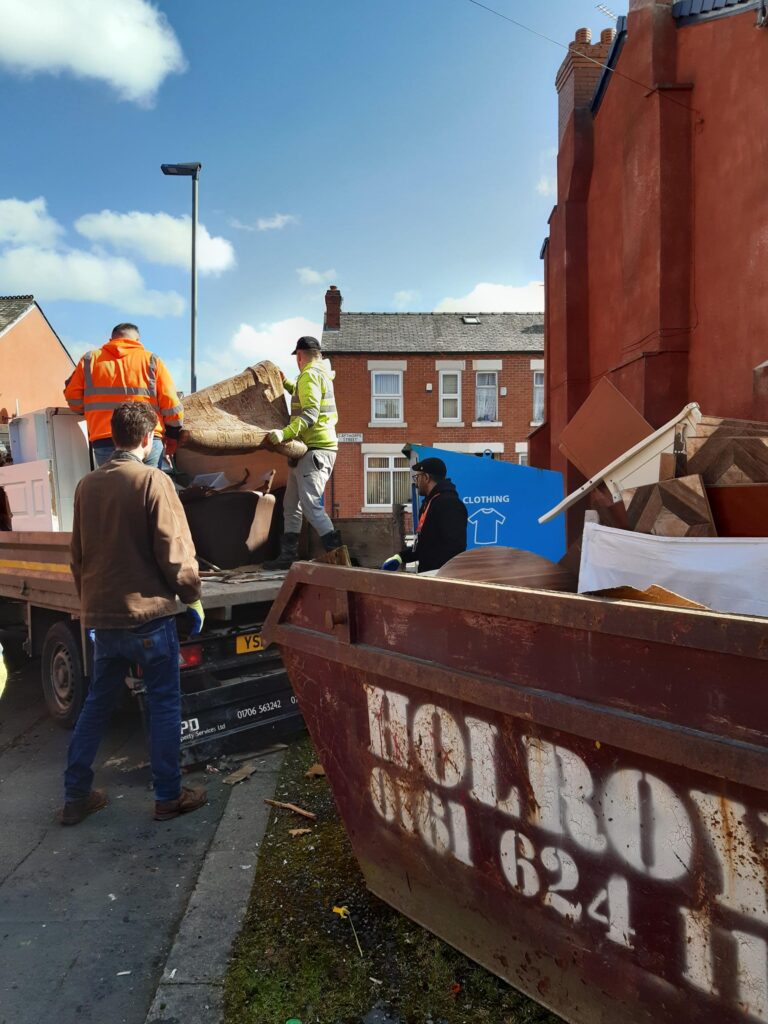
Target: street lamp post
pixel 191 170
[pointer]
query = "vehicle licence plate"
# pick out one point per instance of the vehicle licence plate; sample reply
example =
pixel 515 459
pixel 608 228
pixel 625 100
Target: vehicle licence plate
pixel 249 643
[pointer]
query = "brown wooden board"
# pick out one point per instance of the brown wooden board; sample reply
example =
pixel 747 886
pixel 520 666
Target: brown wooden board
pixel 724 460
pixel 672 508
pixel 740 511
pixel 605 426
pixel 510 567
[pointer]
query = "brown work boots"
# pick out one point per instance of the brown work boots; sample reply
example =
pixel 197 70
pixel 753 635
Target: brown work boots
pixel 75 811
pixel 192 799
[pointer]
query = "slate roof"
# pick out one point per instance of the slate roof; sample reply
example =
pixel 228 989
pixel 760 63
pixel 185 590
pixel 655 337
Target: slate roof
pixel 12 306
pixel 695 9
pixel 436 332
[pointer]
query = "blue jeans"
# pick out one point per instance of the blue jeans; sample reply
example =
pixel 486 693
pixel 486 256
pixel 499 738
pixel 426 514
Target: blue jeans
pixel 155 647
pixel 102 455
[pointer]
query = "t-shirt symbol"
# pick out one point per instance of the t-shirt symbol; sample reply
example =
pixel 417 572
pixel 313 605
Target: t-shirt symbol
pixel 486 522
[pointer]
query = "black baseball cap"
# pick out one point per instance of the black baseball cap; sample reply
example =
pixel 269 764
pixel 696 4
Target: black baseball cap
pixel 306 343
pixel 432 467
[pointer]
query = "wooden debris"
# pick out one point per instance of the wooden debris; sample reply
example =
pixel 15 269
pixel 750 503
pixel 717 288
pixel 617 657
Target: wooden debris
pixel 605 427
pixel 339 556
pixel 291 807
pixel 299 832
pixel 672 508
pixel 508 567
pixel 315 772
pixel 244 772
pixel 728 460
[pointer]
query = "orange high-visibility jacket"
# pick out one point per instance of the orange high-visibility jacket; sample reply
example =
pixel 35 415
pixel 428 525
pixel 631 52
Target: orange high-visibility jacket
pixel 123 371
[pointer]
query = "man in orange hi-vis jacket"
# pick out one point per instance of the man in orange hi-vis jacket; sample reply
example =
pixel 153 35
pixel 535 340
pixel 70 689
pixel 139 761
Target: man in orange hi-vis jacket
pixel 124 371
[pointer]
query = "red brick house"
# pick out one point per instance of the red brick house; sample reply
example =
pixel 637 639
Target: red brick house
pixel 33 361
pixel 471 382
pixel 655 260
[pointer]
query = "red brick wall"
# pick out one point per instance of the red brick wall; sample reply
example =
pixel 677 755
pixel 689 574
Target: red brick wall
pixel 353 399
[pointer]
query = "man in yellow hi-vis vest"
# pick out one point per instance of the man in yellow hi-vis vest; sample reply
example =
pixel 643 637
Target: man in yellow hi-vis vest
pixel 124 371
pixel 313 421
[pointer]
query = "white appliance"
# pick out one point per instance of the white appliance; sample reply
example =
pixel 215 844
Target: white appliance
pixel 50 455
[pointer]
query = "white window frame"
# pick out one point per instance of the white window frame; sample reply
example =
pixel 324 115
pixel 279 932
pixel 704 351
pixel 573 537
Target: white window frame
pixel 486 387
pixel 382 420
pixel 450 420
pixel 391 455
pixel 534 421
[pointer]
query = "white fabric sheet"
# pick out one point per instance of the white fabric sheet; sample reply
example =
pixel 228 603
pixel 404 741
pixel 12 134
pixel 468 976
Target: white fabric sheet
pixel 727 574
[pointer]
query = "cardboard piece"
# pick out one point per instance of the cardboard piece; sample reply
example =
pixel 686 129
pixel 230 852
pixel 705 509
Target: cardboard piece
pixel 651 595
pixel 673 508
pixel 605 426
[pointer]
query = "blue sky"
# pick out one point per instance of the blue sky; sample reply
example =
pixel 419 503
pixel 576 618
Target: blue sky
pixel 403 150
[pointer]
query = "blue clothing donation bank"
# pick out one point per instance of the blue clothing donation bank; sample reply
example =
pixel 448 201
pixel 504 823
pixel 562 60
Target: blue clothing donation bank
pixel 504 501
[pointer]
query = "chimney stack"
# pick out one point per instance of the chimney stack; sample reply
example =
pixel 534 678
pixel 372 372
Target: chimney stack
pixel 332 309
pixel 579 74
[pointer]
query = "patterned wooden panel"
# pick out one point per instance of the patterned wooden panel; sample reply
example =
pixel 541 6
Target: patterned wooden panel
pixel 672 508
pixel 723 460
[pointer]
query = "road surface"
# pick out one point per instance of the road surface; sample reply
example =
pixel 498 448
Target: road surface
pixel 87 914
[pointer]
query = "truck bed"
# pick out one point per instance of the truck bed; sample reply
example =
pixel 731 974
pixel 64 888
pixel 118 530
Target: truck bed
pixel 34 568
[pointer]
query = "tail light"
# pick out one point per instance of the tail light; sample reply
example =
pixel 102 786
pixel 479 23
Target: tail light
pixel 190 655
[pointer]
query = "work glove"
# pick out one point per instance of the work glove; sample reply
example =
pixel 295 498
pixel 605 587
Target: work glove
pixel 171 444
pixel 195 617
pixel 275 436
pixel 392 564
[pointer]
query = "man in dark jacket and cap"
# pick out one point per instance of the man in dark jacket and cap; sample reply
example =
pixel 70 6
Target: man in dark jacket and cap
pixel 441 531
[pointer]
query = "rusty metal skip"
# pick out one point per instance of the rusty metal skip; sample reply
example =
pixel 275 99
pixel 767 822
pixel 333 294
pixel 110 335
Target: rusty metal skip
pixel 572 791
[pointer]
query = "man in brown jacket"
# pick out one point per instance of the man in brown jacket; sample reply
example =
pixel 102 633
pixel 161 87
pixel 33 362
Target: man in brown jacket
pixel 132 556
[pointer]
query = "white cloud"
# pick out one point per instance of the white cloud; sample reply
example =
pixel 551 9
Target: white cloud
pixel 85 277
pixel 27 223
pixel 275 223
pixel 126 43
pixel 274 341
pixel 76 347
pixel 547 185
pixel 309 276
pixel 158 238
pixel 497 298
pixel 404 298
pixel 547 182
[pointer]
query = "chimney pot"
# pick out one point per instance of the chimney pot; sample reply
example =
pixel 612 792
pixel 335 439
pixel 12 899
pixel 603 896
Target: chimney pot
pixel 332 309
pixel 580 72
pixel 607 35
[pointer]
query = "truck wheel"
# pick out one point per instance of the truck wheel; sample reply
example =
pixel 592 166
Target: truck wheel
pixel 64 683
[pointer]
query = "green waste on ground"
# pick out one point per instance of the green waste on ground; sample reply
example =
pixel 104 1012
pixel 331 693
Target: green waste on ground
pixel 295 955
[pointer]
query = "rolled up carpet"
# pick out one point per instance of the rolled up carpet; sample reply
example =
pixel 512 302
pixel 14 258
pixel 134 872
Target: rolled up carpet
pixel 235 415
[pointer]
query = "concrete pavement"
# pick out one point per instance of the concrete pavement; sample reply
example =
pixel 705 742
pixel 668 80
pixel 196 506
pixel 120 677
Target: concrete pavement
pixel 88 915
